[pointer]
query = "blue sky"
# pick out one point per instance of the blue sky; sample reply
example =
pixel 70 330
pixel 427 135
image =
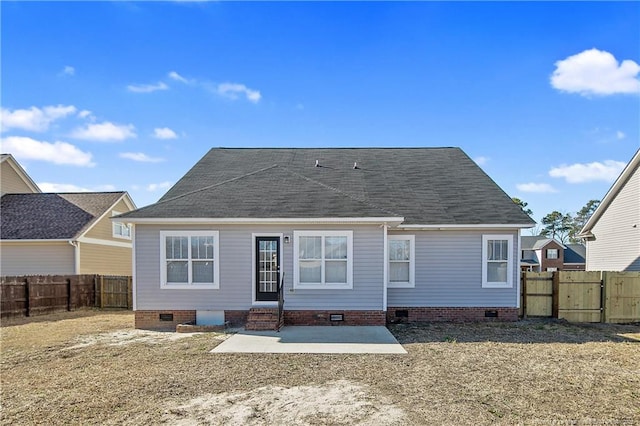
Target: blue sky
pixel 129 95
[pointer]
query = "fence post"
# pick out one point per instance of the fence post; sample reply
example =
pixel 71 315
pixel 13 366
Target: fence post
pixel 129 290
pixel 101 291
pixel 26 297
pixel 524 295
pixel 555 295
pixel 603 295
pixel 68 295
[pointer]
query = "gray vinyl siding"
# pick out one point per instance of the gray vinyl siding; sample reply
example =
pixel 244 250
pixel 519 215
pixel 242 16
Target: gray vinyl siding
pixel 236 264
pixel 617 232
pixel 448 273
pixel 37 259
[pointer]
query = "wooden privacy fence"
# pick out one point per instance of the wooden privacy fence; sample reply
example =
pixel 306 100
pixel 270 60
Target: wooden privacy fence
pixel 42 294
pixel 582 296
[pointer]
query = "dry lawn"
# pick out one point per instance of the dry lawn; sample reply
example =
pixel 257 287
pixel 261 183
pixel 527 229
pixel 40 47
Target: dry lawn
pixel 94 368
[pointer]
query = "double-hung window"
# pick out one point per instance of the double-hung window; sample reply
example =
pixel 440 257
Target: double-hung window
pixel 120 229
pixel 497 261
pixel 401 252
pixel 323 259
pixel 552 253
pixel 189 259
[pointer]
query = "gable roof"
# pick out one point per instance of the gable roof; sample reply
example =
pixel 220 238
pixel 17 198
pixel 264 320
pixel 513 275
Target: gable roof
pixel 575 253
pixel 52 216
pixel 536 242
pixel 419 185
pixel 8 158
pixel 626 174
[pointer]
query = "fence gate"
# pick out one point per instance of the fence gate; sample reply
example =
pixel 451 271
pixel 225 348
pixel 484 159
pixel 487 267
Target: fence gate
pixel 579 295
pixel 622 297
pixel 115 292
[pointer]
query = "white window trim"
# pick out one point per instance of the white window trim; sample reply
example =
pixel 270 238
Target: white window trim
pixel 412 262
pixel 113 227
pixel 557 254
pixel 509 283
pixel 322 285
pixel 190 285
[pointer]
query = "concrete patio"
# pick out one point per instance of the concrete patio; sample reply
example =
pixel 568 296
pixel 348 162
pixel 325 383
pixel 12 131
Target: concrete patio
pixel 317 340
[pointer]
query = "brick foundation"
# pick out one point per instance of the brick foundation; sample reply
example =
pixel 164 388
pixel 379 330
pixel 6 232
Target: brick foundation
pixel 150 320
pixel 324 317
pixel 450 314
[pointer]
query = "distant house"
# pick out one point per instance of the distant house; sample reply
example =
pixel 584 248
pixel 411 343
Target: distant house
pixel 13 178
pixel 612 234
pixel 63 233
pixel 543 254
pixel 362 236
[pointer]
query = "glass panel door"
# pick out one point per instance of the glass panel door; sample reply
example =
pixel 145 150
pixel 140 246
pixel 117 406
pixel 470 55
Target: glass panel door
pixel 267 268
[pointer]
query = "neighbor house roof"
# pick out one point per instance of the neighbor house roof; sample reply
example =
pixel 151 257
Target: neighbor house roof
pixel 52 216
pixel 421 185
pixel 611 194
pixel 536 242
pixel 575 253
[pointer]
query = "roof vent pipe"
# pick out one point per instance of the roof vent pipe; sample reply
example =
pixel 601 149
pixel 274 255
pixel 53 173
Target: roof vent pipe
pixel 355 165
pixel 317 163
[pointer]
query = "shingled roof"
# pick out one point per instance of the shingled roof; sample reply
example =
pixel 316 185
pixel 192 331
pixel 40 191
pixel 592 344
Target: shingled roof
pixel 52 216
pixel 422 185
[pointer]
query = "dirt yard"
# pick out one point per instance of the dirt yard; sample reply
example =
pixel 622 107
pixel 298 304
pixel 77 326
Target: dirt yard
pixel 94 368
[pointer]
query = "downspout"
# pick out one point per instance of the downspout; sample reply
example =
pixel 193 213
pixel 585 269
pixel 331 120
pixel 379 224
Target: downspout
pixel 76 256
pixel 384 267
pixel 133 265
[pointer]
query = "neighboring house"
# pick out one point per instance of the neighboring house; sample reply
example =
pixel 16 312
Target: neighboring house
pixel 612 234
pixel 543 254
pixel 574 257
pixel 13 178
pixel 60 234
pixel 361 235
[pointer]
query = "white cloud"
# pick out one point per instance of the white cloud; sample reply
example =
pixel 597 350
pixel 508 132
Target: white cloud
pixel 158 186
pixel 85 114
pixel 104 132
pixel 34 119
pixel 536 187
pixel 25 148
pixel 141 157
pixel 164 133
pixel 68 70
pixel 69 187
pixel 177 77
pixel 620 135
pixel 606 171
pixel 481 160
pixel 235 90
pixel 596 72
pixel 147 88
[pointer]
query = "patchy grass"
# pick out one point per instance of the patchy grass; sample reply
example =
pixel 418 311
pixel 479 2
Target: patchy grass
pixel 94 368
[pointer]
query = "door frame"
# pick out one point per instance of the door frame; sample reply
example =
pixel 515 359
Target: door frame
pixel 255 235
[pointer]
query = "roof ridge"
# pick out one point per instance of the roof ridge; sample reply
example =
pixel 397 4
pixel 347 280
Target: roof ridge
pixel 204 188
pixel 368 203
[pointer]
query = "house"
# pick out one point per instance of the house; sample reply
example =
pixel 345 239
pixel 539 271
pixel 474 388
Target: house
pixel 540 254
pixel 612 233
pixel 60 233
pixel 13 178
pixel 64 234
pixel 574 257
pixel 356 236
